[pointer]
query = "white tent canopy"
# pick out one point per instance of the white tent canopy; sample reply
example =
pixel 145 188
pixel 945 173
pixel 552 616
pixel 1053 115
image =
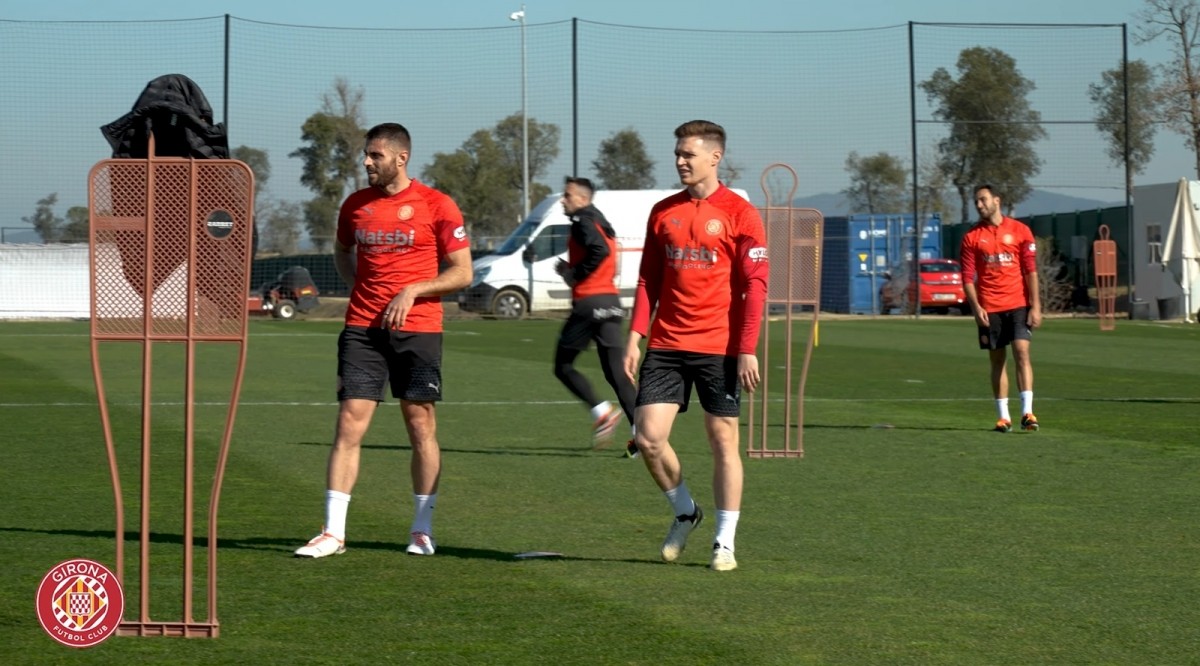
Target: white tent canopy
pixel 1181 250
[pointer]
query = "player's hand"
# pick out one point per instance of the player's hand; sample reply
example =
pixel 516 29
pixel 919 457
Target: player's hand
pixel 747 369
pixel 981 317
pixel 633 356
pixel 1033 318
pixel 397 310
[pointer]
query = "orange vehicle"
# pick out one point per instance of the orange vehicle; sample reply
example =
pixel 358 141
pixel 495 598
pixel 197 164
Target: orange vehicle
pixel 939 288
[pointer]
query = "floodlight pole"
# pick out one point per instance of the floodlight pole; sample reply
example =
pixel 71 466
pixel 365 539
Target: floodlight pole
pixel 520 16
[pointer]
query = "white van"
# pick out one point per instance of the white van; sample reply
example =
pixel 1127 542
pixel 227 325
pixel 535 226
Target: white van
pixel 519 276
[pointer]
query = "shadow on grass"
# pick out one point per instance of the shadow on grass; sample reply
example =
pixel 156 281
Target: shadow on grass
pixel 1147 401
pixel 550 451
pixel 875 426
pixel 286 546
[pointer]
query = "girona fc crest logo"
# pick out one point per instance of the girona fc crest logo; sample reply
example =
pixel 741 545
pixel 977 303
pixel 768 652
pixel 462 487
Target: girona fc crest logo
pixel 405 212
pixel 80 603
pixel 713 227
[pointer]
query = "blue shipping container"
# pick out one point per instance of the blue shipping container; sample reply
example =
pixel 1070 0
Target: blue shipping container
pixel 860 249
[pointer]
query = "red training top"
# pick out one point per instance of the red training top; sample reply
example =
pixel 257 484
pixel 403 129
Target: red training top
pixel 704 266
pixel 401 239
pixel 592 254
pixel 997 258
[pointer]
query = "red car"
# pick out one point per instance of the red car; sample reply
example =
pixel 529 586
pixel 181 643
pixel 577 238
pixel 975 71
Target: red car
pixel 940 288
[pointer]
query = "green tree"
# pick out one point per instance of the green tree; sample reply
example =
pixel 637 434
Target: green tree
pixel 1108 96
pixel 334 138
pixel 484 175
pixel 993 128
pixel 878 183
pixel 44 222
pixel 76 229
pixel 260 164
pixel 1178 94
pixel 622 162
pixel 543 149
pixel 281 227
pixel 934 191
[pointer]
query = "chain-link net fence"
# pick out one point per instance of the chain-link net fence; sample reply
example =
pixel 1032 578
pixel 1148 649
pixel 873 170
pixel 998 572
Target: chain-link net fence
pixel 809 99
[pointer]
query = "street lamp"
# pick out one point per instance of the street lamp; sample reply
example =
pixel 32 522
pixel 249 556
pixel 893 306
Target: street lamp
pixel 520 16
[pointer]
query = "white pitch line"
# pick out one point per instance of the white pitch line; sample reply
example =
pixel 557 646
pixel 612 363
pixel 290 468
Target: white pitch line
pixel 510 403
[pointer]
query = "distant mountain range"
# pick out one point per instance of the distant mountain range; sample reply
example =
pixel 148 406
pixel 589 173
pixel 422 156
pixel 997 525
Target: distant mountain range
pixel 1039 202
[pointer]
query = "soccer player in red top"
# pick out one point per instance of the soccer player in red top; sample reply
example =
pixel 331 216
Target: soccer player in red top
pixel 400 245
pixel 596 314
pixel 703 280
pixel 999 269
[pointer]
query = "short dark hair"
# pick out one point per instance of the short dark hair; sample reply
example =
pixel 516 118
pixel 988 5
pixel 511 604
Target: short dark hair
pixel 392 132
pixel 705 129
pixel 989 187
pixel 582 182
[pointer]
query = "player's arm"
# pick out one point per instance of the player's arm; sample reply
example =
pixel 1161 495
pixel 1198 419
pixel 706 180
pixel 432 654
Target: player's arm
pixel 755 270
pixel 1033 292
pixel 455 274
pixel 595 248
pixel 966 260
pixel 345 263
pixel 645 299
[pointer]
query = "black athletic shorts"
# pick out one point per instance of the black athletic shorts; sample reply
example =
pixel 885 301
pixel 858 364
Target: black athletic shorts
pixel 668 376
pixel 594 318
pixel 1003 328
pixel 369 357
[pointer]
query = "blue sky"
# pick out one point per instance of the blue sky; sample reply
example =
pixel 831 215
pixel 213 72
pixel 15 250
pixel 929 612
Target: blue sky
pixel 1171 159
pixel 694 14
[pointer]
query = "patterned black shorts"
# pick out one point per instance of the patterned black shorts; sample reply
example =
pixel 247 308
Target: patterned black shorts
pixel 371 358
pixel 1003 328
pixel 668 376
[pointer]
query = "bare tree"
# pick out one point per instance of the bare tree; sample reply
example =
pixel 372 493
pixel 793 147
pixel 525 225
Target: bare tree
pixel 1179 91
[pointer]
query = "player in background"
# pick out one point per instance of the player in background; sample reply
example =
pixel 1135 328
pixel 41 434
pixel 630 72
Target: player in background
pixel 400 245
pixel 999 269
pixel 703 281
pixel 596 314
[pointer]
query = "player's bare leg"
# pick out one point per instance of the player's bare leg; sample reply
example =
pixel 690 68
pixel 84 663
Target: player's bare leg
pixel 1021 358
pixel 653 430
pixel 354 418
pixel 727 487
pixel 420 419
pixel 727 462
pixel 999 361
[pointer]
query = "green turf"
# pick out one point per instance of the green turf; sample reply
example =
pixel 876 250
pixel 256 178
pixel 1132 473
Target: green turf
pixel 909 534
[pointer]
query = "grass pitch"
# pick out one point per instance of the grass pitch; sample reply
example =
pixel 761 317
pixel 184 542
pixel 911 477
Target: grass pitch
pixel 932 541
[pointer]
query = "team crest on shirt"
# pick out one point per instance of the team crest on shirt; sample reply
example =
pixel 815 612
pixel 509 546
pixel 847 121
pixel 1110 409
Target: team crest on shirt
pixel 405 212
pixel 713 227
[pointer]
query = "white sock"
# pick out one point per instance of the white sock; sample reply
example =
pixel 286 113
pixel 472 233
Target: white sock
pixel 1026 402
pixel 600 410
pixel 336 505
pixel 1002 409
pixel 726 527
pixel 423 513
pixel 681 500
